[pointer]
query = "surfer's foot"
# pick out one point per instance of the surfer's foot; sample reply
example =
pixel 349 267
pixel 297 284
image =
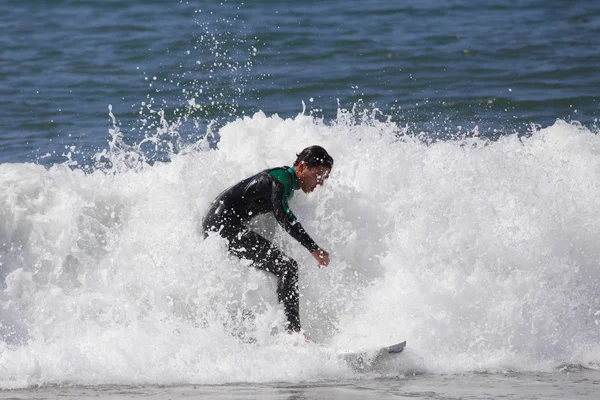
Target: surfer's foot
pixel 306 337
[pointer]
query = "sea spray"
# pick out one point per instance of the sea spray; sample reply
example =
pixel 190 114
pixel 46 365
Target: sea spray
pixel 481 254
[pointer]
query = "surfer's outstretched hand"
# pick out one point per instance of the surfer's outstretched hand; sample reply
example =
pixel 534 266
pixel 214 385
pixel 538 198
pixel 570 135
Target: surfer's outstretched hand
pixel 322 257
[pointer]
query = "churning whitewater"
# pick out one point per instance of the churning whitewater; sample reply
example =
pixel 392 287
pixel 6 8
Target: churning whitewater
pixel 482 254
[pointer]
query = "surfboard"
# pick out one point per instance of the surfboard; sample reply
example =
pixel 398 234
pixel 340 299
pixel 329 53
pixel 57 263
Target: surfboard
pixel 368 360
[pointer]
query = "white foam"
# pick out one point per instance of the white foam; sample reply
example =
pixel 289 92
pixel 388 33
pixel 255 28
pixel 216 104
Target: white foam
pixel 482 255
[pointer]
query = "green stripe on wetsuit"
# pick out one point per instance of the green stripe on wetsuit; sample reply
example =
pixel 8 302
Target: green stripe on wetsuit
pixel 290 183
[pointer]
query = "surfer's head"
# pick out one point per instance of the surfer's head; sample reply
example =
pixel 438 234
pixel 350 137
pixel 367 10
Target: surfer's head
pixel 312 166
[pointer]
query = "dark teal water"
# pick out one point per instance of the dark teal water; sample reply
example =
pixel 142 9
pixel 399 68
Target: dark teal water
pixel 434 67
pixel 579 385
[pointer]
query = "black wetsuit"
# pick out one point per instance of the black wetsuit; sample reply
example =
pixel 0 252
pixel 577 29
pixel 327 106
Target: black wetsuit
pixel 229 214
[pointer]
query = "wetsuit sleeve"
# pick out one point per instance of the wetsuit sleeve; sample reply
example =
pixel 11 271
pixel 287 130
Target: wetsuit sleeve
pixel 287 219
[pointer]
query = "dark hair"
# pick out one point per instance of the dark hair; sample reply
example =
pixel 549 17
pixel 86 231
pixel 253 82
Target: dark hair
pixel 314 156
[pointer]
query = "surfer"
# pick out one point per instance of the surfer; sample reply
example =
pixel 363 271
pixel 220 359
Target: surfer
pixel 268 192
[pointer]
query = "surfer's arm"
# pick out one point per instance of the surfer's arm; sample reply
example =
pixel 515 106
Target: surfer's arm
pixel 287 219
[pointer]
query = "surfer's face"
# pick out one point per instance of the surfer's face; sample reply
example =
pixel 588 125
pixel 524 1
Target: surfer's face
pixel 311 177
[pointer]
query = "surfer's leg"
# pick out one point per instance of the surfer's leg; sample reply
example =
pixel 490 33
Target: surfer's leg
pixel 266 256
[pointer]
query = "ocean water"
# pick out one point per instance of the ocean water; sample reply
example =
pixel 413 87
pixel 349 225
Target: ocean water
pixel 462 215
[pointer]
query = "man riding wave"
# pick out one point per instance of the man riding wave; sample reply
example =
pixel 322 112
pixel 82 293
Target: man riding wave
pixel 269 191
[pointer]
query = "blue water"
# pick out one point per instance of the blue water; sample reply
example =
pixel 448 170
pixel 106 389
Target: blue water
pixel 462 215
pixel 434 67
